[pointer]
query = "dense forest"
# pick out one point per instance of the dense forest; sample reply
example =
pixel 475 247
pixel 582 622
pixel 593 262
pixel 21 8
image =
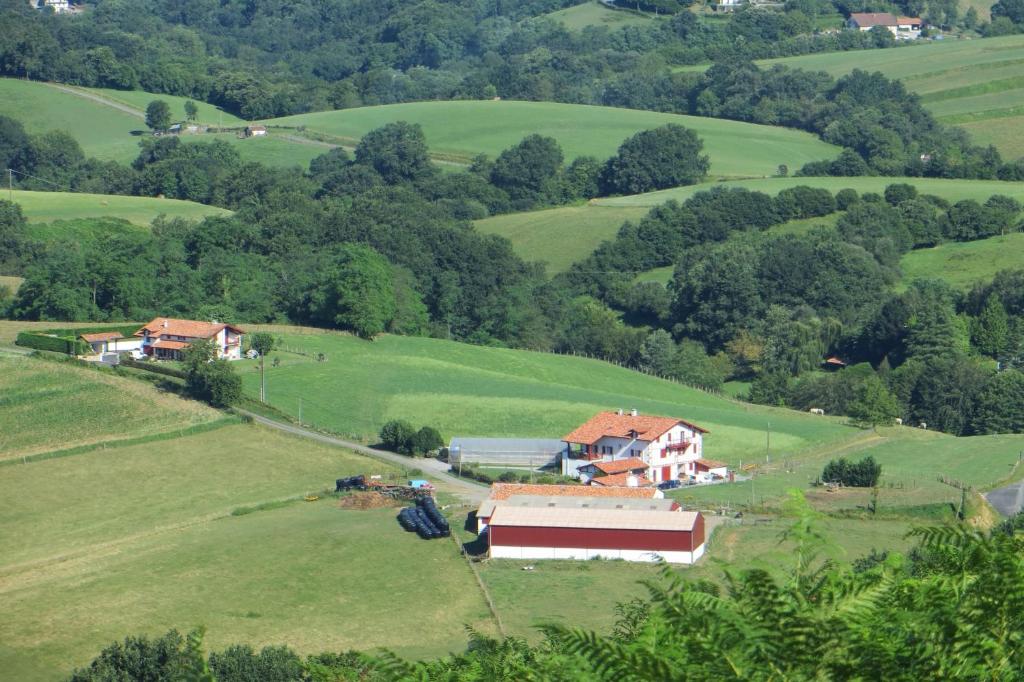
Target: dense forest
pixel 950 609
pixel 261 61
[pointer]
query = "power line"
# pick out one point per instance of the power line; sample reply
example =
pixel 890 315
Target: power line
pixel 12 171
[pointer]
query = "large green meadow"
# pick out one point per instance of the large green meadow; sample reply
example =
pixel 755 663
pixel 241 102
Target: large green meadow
pixel 463 129
pixel 466 390
pixel 45 207
pixel 951 190
pixel 963 82
pixel 560 236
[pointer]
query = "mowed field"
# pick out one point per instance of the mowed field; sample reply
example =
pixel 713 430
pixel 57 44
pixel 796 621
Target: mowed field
pixel 45 207
pixel 464 129
pixel 951 190
pixel 105 130
pixel 964 263
pixel 47 406
pixel 560 236
pixel 210 528
pixel 596 13
pixel 465 390
pixel 977 84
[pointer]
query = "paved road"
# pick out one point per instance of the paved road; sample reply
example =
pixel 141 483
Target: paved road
pixel 472 493
pixel 1008 500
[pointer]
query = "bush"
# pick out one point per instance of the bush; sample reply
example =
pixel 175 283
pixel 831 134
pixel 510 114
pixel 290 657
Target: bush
pixel 427 439
pixel 862 474
pixel 845 198
pixel 55 344
pixel 396 435
pixel 215 383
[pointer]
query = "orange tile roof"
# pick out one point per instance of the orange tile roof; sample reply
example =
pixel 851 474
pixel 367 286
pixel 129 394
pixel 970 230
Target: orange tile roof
pixel 170 345
pixel 616 425
pixel 189 328
pixel 621 480
pixel 617 466
pixel 711 463
pixel 102 336
pixel 503 491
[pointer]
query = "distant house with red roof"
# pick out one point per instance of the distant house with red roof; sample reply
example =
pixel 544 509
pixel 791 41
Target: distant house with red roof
pixel 903 28
pixel 627 448
pixel 166 338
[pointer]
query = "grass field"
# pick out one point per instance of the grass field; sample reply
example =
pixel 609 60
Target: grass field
pixel 951 190
pixel 964 263
pixel 961 81
pixel 42 207
pixel 83 229
pixel 595 13
pixel 207 114
pixel 48 406
pixel 109 133
pixel 560 236
pixel 102 131
pixel 465 390
pixel 465 128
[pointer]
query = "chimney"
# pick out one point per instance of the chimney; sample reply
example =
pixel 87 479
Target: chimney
pixel 633 412
pixel 165 324
pixel 619 411
pixel 632 481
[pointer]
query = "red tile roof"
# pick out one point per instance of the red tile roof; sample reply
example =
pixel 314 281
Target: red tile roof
pixel 621 480
pixel 503 491
pixel 189 328
pixel 870 19
pixel 102 336
pixel 616 425
pixel 617 466
pixel 711 463
pixel 170 345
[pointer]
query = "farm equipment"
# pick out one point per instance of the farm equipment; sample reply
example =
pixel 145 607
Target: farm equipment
pixel 350 483
pixel 414 490
pixel 425 519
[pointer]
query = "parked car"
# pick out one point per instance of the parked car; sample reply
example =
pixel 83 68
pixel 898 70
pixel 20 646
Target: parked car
pixel 669 485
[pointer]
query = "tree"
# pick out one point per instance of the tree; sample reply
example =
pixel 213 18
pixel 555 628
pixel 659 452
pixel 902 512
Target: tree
pixel 397 435
pixel 1011 9
pixel 1000 406
pixel 355 292
pixel 158 115
pixel 263 343
pixel 209 378
pixel 668 156
pixel 990 330
pixel 874 404
pixel 426 440
pixel 658 352
pixel 397 151
pixel 862 474
pixel 527 170
pixel 191 110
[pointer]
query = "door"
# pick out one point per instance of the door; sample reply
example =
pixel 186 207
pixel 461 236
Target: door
pixel 666 473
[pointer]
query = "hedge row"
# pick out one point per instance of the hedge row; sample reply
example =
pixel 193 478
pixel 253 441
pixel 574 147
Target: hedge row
pixel 56 344
pixel 153 367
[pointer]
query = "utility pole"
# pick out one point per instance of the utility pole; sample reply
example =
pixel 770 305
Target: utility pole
pixel 300 410
pixel 768 443
pixel 10 183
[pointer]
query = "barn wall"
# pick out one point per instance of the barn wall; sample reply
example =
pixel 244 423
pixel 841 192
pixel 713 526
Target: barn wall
pixel 593 538
pixel 543 553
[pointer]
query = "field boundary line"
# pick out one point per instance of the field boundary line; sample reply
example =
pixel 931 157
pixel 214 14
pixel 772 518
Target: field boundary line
pixel 196 429
pixel 99 99
pixel 483 587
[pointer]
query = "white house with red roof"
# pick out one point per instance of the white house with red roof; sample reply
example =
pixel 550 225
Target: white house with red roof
pixel 627 448
pixel 166 338
pixel 903 28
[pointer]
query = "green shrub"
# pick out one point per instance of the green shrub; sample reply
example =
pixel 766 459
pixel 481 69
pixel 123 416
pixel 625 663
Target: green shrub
pixel 862 474
pixel 55 344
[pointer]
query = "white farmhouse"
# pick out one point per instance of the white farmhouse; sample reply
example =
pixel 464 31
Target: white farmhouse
pixel 903 28
pixel 166 338
pixel 638 449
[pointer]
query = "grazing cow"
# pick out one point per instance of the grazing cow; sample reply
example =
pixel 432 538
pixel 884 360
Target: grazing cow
pixel 817 410
pixel 923 425
pixel 899 422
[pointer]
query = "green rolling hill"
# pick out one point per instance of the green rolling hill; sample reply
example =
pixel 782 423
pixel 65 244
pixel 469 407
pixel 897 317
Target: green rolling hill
pixel 463 129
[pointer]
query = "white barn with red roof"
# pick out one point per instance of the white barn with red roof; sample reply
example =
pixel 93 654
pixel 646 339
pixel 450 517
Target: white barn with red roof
pixel 628 448
pixel 903 28
pixel 167 338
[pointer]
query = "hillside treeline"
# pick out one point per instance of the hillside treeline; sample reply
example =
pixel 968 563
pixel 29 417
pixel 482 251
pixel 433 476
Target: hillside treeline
pixel 262 61
pixel 950 609
pixel 745 303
